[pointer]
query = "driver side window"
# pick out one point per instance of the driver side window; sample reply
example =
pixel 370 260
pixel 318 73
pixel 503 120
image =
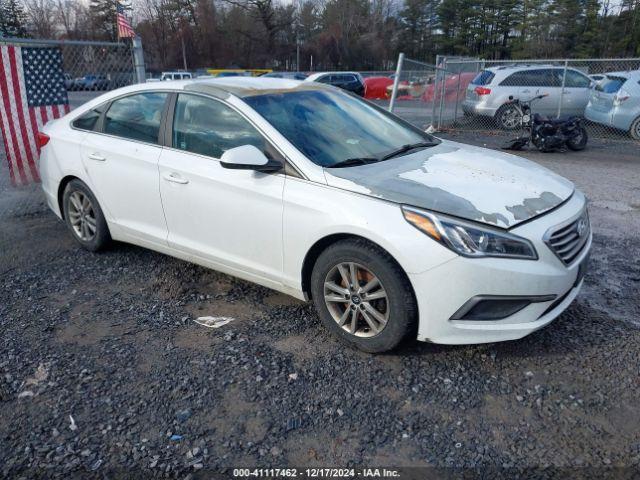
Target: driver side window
pixel 208 127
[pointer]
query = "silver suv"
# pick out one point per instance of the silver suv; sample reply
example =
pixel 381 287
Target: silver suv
pixel 488 93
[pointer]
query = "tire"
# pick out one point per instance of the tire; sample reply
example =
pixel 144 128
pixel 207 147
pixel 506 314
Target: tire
pixel 580 143
pixel 634 130
pixel 508 118
pixel 398 304
pixel 84 218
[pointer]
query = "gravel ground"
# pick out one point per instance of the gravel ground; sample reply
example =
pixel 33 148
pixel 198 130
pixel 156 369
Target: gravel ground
pixel 102 368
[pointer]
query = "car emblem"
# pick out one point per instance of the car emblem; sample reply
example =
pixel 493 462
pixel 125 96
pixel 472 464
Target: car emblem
pixel 582 227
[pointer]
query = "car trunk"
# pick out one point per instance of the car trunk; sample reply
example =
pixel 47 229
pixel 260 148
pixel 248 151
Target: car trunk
pixel 603 95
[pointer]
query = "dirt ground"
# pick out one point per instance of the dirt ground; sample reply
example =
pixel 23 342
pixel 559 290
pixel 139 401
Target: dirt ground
pixel 103 369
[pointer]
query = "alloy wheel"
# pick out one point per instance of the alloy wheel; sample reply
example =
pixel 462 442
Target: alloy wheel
pixel 510 118
pixel 82 216
pixel 356 299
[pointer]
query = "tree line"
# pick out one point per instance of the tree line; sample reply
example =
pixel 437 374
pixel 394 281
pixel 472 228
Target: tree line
pixel 339 34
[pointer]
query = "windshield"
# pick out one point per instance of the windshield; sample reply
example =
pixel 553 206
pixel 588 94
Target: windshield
pixel 330 127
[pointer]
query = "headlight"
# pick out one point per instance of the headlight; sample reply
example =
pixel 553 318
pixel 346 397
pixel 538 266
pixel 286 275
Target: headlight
pixel 469 239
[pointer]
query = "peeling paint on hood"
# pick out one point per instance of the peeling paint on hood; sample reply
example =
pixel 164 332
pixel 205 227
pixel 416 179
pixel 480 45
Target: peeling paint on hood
pixel 469 182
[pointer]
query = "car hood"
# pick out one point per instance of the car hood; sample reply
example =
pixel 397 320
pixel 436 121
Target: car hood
pixel 469 182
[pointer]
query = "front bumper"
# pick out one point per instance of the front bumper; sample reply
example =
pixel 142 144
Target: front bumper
pixel 442 291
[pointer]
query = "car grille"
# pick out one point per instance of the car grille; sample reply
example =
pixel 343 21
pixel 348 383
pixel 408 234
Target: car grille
pixel 567 241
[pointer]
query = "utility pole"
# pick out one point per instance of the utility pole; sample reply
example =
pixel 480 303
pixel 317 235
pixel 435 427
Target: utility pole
pixel 184 55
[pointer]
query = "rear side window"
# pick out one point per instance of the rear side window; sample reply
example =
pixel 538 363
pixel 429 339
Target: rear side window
pixel 136 117
pixel 611 85
pixel 208 127
pixel 534 78
pixel 483 78
pixel 89 120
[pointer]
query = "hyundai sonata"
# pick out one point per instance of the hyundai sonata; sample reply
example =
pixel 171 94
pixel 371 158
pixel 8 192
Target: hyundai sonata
pixel 308 190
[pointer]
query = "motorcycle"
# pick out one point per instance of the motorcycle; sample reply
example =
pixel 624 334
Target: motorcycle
pixel 546 134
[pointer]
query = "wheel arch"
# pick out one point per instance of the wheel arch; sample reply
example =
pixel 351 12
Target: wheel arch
pixel 323 243
pixel 61 186
pixel 633 124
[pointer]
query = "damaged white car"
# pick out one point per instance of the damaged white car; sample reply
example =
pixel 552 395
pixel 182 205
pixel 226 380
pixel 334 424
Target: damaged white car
pixel 305 189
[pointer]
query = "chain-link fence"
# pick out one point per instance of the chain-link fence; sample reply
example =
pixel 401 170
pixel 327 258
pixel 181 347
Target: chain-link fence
pixel 90 68
pixel 474 95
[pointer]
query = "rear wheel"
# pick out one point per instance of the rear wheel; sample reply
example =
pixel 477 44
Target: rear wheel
pixel 508 117
pixel 634 131
pixel 579 141
pixel 362 296
pixel 84 217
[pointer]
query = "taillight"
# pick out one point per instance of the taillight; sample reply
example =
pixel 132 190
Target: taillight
pixel 618 100
pixel 482 91
pixel 43 139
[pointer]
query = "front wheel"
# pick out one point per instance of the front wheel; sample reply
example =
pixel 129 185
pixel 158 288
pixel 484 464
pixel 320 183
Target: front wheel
pixel 579 140
pixel 363 296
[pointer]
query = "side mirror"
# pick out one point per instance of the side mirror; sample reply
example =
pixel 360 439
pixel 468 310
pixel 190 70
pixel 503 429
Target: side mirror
pixel 248 157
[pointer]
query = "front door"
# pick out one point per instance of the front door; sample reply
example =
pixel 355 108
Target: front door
pixel 575 95
pixel 230 217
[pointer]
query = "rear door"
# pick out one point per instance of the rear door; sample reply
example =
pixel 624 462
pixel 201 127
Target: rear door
pixel 121 160
pixel 575 95
pixel 538 82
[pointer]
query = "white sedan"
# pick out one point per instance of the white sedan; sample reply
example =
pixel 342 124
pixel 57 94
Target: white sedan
pixel 306 189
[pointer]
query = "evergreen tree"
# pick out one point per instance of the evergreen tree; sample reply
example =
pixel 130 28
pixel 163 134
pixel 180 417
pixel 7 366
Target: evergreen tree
pixel 12 19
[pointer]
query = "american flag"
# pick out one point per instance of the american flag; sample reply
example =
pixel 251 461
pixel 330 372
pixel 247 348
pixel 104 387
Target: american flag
pixel 32 92
pixel 124 27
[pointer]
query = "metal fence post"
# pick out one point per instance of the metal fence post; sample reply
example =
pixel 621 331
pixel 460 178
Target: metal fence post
pixel 396 82
pixel 138 61
pixel 435 91
pixel 443 93
pixel 564 82
pixel 455 113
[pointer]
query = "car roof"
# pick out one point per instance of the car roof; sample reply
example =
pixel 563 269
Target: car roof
pixel 314 76
pixel 512 68
pixel 624 73
pixel 225 86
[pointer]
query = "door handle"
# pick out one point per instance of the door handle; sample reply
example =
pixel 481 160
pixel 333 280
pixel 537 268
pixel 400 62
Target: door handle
pixel 526 91
pixel 97 157
pixel 175 178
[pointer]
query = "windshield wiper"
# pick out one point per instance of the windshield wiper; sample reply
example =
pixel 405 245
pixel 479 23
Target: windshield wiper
pixel 350 162
pixel 407 148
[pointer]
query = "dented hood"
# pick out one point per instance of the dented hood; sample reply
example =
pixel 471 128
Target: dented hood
pixel 469 182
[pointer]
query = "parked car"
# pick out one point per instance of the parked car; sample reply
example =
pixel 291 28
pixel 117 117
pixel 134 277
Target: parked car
pixel 175 76
pixel 289 75
pixel 351 81
pixel 69 82
pixel 488 93
pixel 615 102
pixel 307 190
pixel 92 82
pixel 378 88
pixel 455 87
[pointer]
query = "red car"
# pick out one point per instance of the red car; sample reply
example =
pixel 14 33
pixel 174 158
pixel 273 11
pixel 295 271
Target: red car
pixel 376 88
pixel 451 84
